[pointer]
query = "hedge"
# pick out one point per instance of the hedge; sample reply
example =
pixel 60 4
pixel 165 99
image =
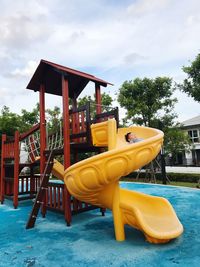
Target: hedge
pixel 176 177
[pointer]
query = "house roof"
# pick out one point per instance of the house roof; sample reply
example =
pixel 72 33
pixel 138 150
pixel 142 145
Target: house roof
pixel 50 75
pixel 192 122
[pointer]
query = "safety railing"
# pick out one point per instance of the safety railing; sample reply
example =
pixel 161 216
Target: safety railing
pixel 55 197
pixel 11 185
pixel 113 113
pixel 80 124
pixel 28 185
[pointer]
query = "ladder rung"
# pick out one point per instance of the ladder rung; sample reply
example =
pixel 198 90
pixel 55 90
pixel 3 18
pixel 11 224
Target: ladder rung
pixel 40 202
pixel 44 174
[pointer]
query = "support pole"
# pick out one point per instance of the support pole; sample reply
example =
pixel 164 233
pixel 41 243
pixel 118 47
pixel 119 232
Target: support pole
pixel 117 215
pixel 42 139
pixel 42 128
pixel 98 98
pixel 2 183
pixel 66 136
pixel 16 170
pixel 163 166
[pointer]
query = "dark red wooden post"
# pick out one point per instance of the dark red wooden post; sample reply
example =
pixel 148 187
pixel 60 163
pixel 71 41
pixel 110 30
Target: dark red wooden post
pixel 99 111
pixel 32 182
pixel 16 170
pixel 42 128
pixel 98 98
pixel 66 135
pixel 2 184
pixel 42 139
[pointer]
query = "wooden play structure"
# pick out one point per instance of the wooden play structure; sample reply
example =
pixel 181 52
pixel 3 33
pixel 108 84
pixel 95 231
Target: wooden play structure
pixel 74 137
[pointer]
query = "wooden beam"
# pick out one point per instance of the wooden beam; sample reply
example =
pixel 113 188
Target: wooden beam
pixel 66 130
pixel 42 128
pixel 42 140
pixel 98 98
pixel 2 183
pixel 16 170
pixel 66 135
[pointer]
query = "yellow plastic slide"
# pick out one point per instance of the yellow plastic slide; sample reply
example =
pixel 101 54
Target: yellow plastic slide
pixel 96 181
pixel 58 170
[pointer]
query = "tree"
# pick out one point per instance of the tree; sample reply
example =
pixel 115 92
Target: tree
pixel 191 85
pixel 143 99
pixel 150 102
pixel 53 119
pixel 9 122
pixel 106 102
pixel 176 141
pixel 28 119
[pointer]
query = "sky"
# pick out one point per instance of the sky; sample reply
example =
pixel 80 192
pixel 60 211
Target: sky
pixel 113 40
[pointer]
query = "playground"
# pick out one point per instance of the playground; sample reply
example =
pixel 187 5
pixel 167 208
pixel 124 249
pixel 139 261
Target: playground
pixel 90 240
pixel 80 218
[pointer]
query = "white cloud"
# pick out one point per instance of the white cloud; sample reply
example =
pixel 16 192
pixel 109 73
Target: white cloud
pixel 144 7
pixel 186 106
pixel 6 95
pixel 26 71
pixel 19 31
pixel 133 58
pixel 3 92
pixel 116 40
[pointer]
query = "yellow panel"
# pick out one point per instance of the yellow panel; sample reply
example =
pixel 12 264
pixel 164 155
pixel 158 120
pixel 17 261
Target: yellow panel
pixel 95 180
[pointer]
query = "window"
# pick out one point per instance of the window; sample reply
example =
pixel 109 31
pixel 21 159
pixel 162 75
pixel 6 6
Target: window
pixel 194 136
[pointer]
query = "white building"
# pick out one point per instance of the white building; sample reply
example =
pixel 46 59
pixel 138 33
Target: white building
pixel 192 127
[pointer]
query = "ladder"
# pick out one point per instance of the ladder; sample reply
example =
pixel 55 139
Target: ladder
pixel 42 191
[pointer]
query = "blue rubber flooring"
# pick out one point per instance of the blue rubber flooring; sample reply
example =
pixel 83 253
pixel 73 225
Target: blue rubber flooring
pixel 90 240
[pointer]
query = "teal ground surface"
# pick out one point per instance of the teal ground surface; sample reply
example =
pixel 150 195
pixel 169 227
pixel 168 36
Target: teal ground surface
pixel 90 240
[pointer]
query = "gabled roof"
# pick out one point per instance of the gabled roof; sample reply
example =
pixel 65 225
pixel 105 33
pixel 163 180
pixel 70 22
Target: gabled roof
pixel 192 122
pixel 50 74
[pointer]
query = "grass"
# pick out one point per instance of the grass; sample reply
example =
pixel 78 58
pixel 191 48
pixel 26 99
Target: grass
pixel 175 183
pixel 186 184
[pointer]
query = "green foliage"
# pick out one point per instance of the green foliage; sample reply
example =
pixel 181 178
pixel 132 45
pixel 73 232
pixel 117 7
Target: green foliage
pixel 106 102
pixel 143 99
pixel 28 119
pixel 191 85
pixel 176 177
pixel 54 118
pixel 150 102
pixel 9 122
pixel 176 141
pixel 84 100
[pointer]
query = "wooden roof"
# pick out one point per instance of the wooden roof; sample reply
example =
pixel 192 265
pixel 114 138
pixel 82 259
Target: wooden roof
pixel 50 75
